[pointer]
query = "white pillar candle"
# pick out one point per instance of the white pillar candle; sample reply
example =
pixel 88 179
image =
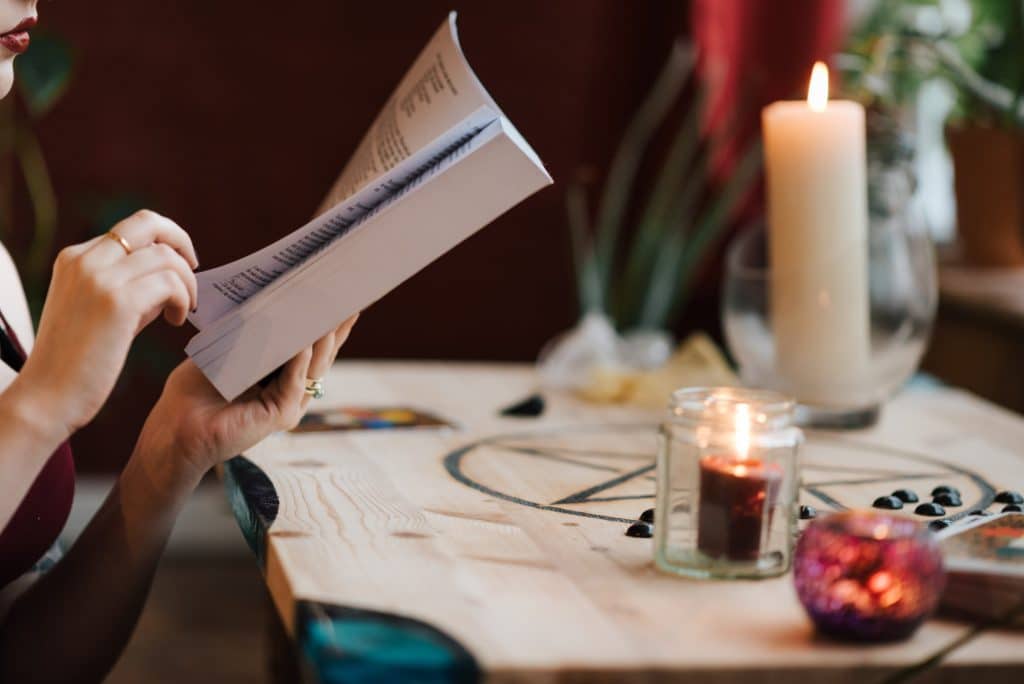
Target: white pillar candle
pixel 816 176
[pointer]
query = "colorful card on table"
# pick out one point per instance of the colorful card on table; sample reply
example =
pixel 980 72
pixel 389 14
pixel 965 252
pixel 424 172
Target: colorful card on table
pixel 347 418
pixel 985 569
pixel 994 545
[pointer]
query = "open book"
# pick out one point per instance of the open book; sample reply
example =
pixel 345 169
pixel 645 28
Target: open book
pixel 439 163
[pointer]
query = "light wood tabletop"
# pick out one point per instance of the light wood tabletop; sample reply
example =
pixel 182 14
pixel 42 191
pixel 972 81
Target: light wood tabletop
pixel 495 549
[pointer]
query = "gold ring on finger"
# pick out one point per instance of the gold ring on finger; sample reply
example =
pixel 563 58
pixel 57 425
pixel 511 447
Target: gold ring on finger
pixel 119 239
pixel 315 388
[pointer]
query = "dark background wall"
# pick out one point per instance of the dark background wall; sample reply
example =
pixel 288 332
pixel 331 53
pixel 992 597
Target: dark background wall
pixel 234 117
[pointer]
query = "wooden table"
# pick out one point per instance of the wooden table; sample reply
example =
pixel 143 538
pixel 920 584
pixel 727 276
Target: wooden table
pixel 496 550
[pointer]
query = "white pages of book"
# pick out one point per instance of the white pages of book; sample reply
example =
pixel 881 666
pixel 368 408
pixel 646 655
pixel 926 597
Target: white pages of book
pixel 439 163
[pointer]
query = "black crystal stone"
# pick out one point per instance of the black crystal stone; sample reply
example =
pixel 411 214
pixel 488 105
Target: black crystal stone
pixel 930 508
pixel 640 529
pixel 807 512
pixel 531 407
pixel 936 525
pixel 889 503
pixel 906 495
pixel 945 489
pixel 979 511
pixel 1013 508
pixel 1009 498
pixel 948 499
pixel 647 516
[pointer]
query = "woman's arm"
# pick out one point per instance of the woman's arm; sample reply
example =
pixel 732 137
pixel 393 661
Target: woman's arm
pixel 86 607
pixel 27 437
pixel 100 297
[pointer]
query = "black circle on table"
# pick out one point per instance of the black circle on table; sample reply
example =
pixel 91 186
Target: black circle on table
pixel 551 445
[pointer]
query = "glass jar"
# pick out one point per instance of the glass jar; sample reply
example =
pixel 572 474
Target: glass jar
pixel 727 484
pixel 833 391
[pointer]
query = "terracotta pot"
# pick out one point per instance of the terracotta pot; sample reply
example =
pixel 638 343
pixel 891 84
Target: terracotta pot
pixel 988 166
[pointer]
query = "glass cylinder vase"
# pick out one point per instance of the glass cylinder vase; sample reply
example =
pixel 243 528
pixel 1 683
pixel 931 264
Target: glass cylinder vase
pixel 727 483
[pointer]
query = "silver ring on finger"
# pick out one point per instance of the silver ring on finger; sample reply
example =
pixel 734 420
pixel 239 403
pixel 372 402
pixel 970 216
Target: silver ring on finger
pixel 315 388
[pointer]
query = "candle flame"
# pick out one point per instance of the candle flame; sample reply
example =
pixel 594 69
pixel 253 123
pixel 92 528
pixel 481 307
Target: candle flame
pixel 742 430
pixel 817 91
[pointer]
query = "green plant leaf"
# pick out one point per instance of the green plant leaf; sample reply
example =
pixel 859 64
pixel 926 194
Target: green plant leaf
pixel 670 280
pixel 622 173
pixel 43 73
pixel 44 204
pixel 588 285
pixel 675 192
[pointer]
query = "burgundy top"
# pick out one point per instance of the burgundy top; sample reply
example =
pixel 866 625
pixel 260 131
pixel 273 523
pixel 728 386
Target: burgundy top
pixel 40 518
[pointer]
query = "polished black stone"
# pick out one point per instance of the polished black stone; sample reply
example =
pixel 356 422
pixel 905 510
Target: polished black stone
pixel 807 512
pixel 1009 497
pixel 936 525
pixel 906 495
pixel 1013 508
pixel 930 508
pixel 889 503
pixel 978 511
pixel 531 407
pixel 647 516
pixel 948 499
pixel 945 489
pixel 640 529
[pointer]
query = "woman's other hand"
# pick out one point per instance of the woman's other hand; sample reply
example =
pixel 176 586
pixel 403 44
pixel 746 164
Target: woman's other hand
pixel 192 427
pixel 100 297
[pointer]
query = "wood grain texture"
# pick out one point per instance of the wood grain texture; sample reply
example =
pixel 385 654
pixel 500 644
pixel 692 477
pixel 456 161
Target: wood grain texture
pixel 517 551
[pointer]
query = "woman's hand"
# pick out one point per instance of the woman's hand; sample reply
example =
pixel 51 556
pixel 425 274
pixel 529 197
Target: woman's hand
pixel 100 297
pixel 192 427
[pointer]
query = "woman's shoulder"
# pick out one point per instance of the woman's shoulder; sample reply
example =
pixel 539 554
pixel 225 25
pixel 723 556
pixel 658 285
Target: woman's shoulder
pixel 12 298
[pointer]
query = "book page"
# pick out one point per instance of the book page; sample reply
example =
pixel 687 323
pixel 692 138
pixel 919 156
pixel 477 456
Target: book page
pixel 267 294
pixel 439 90
pixel 437 106
pixel 457 196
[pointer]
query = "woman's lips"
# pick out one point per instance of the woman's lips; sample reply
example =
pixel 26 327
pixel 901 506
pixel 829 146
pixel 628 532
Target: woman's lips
pixel 17 39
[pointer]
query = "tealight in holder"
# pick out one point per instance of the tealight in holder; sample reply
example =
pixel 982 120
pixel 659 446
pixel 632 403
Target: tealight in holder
pixel 727 482
pixel 867 575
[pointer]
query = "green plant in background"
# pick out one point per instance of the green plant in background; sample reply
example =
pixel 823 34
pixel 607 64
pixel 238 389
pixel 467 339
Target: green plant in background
pixel 643 280
pixel 977 46
pixel 43 74
pixel 992 50
pixel 42 77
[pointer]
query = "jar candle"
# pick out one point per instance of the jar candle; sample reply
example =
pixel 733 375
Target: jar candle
pixel 735 494
pixel 727 482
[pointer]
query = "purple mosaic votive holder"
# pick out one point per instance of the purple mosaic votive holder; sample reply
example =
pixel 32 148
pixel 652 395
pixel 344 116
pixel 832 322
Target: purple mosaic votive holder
pixel 868 576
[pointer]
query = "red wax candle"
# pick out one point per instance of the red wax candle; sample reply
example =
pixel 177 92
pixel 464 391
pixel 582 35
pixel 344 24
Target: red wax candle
pixel 736 496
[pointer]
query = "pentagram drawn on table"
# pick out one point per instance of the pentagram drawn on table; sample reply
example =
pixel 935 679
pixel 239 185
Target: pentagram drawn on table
pixel 606 472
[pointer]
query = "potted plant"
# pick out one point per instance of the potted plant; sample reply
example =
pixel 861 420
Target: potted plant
pixel 975 47
pixel 984 134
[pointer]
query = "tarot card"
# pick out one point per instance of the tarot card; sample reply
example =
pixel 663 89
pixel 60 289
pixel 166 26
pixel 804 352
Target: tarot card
pixel 992 546
pixel 349 418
